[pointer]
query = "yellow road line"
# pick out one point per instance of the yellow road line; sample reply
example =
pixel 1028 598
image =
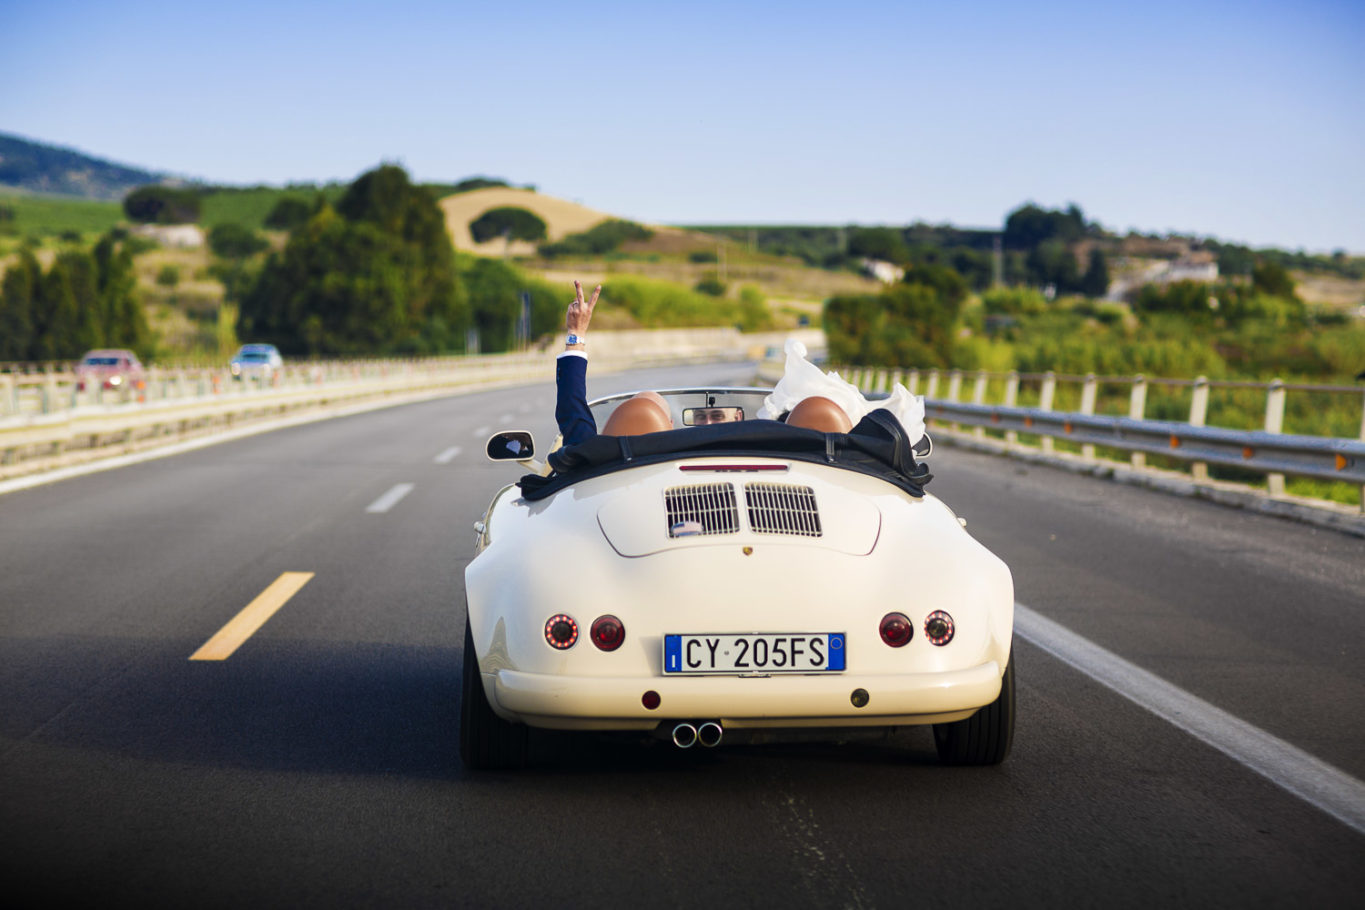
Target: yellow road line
pixel 253 616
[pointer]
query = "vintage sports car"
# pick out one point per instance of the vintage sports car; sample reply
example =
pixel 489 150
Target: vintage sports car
pixel 731 576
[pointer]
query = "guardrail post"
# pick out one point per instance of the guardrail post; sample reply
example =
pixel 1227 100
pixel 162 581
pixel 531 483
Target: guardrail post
pixel 882 384
pixel 897 376
pixel 1274 423
pixel 1199 412
pixel 979 397
pixel 1011 399
pixel 955 392
pixel 931 389
pixel 1089 390
pixel 49 392
pixel 1045 396
pixel 1137 410
pixel 912 386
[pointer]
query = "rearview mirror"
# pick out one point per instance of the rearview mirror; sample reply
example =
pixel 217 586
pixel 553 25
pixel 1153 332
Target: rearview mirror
pixel 511 445
pixel 924 446
pixel 698 417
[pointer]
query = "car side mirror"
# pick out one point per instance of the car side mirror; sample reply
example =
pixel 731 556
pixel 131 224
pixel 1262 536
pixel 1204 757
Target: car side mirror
pixel 923 447
pixel 511 445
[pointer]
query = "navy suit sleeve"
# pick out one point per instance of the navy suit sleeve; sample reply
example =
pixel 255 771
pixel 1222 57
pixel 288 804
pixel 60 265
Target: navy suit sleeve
pixel 571 402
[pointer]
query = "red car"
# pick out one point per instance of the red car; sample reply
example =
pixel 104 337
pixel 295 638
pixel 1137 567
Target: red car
pixel 111 369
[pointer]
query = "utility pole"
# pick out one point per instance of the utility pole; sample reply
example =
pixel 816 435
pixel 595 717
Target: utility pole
pixel 998 277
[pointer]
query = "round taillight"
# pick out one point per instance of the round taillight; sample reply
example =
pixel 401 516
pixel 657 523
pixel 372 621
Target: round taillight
pixel 561 632
pixel 896 630
pixel 938 628
pixel 607 632
pixel 650 700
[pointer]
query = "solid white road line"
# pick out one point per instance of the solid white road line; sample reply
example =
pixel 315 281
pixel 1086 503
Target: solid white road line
pixel 448 455
pixel 1311 779
pixel 390 499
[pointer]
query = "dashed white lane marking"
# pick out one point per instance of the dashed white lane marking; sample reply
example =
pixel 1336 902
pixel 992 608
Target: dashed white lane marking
pixel 448 455
pixel 505 419
pixel 481 431
pixel 523 408
pixel 391 498
pixel 1311 779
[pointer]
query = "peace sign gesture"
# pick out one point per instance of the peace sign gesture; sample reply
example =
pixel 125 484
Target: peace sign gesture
pixel 580 311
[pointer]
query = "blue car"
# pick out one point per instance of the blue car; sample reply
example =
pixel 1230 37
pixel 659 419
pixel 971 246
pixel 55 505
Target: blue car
pixel 256 361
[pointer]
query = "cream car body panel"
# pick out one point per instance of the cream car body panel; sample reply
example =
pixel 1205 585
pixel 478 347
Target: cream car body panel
pixel 602 546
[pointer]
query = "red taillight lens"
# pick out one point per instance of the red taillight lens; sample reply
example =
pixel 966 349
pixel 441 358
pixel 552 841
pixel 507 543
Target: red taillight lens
pixel 938 628
pixel 607 632
pixel 561 632
pixel 896 629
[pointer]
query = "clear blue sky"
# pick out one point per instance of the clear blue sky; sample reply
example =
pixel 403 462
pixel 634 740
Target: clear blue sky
pixel 1243 120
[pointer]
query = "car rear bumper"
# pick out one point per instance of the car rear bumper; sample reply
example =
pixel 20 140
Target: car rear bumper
pixel 542 700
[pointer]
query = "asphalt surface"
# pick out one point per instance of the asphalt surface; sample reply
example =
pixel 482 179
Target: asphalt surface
pixel 317 766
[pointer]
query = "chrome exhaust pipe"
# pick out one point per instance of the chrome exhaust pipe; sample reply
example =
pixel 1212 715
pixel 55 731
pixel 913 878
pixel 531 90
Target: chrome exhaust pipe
pixel 709 734
pixel 684 736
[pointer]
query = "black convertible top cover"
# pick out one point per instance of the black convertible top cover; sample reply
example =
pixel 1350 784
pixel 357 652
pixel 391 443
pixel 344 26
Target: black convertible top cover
pixel 876 446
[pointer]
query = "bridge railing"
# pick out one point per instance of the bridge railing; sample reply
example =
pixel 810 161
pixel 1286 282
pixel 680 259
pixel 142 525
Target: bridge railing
pixel 1002 409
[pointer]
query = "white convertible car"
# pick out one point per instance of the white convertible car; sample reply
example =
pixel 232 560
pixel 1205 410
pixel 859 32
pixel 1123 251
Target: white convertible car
pixel 720 579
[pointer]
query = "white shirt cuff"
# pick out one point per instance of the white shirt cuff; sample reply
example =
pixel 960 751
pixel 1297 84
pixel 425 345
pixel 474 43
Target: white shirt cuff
pixel 583 354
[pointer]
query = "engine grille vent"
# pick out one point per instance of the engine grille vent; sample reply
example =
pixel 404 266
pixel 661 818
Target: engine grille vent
pixel 707 508
pixel 777 508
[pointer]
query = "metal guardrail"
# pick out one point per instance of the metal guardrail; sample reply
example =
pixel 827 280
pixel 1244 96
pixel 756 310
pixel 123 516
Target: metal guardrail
pixel 47 422
pixel 1267 451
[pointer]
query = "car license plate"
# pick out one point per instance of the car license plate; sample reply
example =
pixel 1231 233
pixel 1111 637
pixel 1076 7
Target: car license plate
pixel 820 652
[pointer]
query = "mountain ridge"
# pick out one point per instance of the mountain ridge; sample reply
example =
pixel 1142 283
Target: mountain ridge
pixel 39 167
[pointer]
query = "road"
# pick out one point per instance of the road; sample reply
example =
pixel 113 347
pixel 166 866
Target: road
pixel 317 765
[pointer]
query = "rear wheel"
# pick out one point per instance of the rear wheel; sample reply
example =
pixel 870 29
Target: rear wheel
pixel 487 742
pixel 985 737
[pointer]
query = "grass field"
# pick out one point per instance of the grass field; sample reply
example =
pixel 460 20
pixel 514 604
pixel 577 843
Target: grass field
pixel 49 216
pixel 249 207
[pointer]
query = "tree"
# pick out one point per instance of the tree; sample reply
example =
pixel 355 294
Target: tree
pixel 509 222
pixel 233 241
pixel 1095 281
pixel 123 320
pixel 1028 226
pixel 17 296
pixel 878 243
pixel 159 204
pixel 377 275
pixel 289 213
pixel 1272 279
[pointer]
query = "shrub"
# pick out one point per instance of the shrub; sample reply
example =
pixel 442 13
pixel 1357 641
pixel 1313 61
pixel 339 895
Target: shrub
pixel 168 277
pixel 598 240
pixel 711 285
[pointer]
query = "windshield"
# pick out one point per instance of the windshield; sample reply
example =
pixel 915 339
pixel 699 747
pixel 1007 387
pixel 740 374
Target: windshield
pixel 695 407
pixel 254 356
pixel 101 361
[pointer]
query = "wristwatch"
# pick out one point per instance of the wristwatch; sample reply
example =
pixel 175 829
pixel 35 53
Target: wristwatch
pixel 576 339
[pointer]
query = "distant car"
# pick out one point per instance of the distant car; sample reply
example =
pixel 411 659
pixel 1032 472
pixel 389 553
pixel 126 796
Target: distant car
pixel 256 361
pixel 741 578
pixel 112 368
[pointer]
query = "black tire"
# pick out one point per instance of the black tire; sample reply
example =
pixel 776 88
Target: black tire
pixel 487 742
pixel 985 737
